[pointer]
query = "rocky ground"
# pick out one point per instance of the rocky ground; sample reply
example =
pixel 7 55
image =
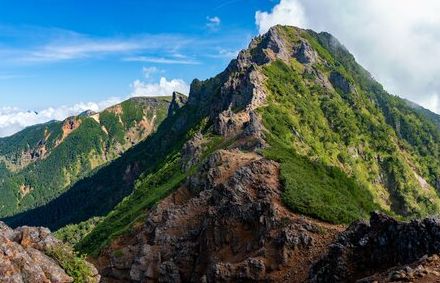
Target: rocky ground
pixel 424 270
pixel 383 250
pixel 226 224
pixel 24 257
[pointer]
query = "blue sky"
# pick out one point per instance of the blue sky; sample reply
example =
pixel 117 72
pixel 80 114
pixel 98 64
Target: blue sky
pixel 56 52
pixel 61 57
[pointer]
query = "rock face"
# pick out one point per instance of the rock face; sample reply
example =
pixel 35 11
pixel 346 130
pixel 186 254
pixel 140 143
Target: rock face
pixel 426 269
pixel 366 248
pixel 23 257
pixel 177 102
pixel 226 224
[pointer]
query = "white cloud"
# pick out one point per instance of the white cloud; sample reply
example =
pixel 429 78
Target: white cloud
pixel 163 88
pixel 213 22
pixel 48 45
pixel 78 50
pixel 14 119
pixel 397 41
pixel 287 12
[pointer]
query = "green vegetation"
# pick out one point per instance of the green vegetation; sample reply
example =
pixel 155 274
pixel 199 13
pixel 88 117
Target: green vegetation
pixel 418 128
pixel 41 162
pixel 75 266
pixel 321 191
pixel 73 233
pixel 296 123
pixel 350 142
pixel 113 125
pixel 149 190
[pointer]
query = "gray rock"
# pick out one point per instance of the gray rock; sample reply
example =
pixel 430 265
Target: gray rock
pixel 383 243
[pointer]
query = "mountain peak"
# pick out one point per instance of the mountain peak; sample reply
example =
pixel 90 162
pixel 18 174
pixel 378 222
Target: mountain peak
pixel 87 113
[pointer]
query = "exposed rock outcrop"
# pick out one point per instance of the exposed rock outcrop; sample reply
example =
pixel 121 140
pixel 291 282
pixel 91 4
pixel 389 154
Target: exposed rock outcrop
pixel 24 257
pixel 226 224
pixel 426 269
pixel 341 83
pixel 367 248
pixel 177 102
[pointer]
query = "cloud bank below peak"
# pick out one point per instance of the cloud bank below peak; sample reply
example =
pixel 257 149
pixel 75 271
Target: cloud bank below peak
pixel 163 88
pixel 397 41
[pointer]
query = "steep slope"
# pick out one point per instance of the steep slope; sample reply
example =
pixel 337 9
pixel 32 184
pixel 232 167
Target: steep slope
pixel 43 161
pixel 293 125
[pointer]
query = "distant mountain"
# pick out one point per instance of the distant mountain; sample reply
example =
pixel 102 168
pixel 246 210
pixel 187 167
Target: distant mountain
pixel 43 161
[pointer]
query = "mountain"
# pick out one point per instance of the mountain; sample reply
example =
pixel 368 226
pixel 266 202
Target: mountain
pixel 253 175
pixel 258 172
pixel 41 162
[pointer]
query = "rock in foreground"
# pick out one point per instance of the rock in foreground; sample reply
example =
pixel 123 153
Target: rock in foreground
pixel 29 254
pixel 365 249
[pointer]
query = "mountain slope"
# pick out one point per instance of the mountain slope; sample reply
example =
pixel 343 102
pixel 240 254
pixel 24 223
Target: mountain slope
pixel 99 192
pixel 294 122
pixel 331 110
pixel 249 179
pixel 43 161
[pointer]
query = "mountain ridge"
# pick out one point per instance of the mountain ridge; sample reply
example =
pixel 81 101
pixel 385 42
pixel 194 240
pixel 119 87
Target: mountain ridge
pixel 256 174
pixel 296 100
pixel 69 150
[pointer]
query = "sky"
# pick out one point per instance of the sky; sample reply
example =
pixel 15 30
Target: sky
pixel 61 57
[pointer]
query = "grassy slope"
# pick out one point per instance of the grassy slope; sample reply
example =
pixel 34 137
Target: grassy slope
pixel 347 131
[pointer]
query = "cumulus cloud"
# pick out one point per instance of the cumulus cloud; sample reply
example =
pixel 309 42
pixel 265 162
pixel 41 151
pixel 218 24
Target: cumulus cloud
pixel 397 41
pixel 13 119
pixel 287 12
pixel 163 88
